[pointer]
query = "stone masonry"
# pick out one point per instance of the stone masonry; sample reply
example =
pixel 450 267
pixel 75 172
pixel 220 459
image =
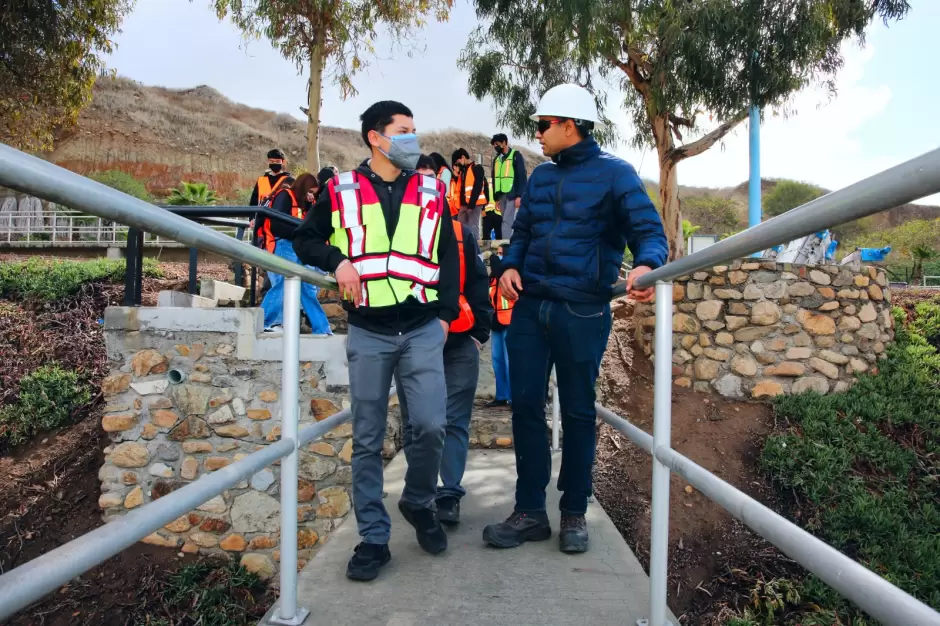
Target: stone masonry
pixel 167 435
pixel 761 329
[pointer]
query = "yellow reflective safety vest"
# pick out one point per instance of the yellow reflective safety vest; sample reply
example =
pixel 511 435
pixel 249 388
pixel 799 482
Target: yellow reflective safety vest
pixel 504 174
pixel 408 265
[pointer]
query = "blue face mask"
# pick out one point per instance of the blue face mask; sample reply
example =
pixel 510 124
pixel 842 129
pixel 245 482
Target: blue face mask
pixel 404 151
pixel 499 256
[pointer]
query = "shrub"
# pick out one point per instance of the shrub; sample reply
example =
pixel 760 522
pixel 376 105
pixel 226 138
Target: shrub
pixel 122 181
pixel 51 279
pixel 788 194
pixel 716 215
pixel 47 399
pixel 927 322
pixel 192 194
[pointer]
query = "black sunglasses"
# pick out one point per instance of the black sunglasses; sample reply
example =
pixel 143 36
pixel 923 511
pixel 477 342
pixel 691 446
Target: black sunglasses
pixel 544 125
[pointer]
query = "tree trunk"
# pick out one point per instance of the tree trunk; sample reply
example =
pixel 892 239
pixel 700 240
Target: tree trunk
pixel 314 96
pixel 668 185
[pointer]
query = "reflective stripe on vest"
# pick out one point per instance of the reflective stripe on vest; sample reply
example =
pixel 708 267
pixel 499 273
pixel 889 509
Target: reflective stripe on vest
pixel 468 181
pixel 505 172
pixel 501 305
pixel 390 271
pixel 465 319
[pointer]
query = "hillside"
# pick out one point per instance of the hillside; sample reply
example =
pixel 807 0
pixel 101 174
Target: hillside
pixel 163 136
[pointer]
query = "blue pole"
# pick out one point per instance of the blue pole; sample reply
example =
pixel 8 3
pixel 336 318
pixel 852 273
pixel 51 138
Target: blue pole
pixel 753 187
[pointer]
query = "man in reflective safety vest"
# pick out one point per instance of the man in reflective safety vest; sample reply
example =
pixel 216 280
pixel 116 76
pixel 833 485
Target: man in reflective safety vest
pixel 275 177
pixel 474 192
pixel 509 178
pixel 384 231
pixel 502 307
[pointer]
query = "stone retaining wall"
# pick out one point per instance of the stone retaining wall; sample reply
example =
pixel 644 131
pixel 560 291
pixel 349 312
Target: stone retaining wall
pixel 166 435
pixel 760 329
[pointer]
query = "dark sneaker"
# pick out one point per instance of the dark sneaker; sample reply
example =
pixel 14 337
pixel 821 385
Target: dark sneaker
pixel 573 537
pixel 430 533
pixel 517 529
pixel 367 560
pixel 448 510
pixel 497 403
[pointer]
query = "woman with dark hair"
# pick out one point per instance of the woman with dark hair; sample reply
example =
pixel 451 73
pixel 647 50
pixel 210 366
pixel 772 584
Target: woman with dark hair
pixel 446 176
pixel 295 201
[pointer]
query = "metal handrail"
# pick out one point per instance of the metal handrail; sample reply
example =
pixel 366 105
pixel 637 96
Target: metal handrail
pixel 36 177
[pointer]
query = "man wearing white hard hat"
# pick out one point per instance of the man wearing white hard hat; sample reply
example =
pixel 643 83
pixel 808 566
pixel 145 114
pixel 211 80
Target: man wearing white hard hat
pixel 578 214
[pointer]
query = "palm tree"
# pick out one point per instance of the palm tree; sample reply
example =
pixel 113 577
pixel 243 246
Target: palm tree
pixel 920 255
pixel 192 194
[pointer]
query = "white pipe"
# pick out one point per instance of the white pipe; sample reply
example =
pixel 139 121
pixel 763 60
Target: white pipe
pixel 662 427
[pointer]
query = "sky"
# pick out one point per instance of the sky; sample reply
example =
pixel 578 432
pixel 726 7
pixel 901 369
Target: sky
pixel 883 113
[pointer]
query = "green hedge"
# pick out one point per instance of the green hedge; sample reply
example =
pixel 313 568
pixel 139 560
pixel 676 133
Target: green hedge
pixel 51 279
pixel 47 399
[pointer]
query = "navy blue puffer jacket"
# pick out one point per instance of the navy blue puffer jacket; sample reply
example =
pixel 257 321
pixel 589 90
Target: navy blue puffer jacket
pixel 578 214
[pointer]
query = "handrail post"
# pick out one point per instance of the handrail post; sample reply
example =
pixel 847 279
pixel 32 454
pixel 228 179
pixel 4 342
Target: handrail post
pixel 662 427
pixel 288 612
pixel 556 413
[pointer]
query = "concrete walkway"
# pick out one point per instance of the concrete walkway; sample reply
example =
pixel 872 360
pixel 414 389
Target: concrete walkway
pixel 472 584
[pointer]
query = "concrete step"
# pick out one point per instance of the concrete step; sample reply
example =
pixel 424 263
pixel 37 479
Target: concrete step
pixel 181 299
pixel 225 294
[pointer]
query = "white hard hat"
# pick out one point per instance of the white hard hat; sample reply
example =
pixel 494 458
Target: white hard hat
pixel 570 101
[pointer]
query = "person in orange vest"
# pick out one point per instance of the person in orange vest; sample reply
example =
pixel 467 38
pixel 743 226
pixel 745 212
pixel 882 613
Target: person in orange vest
pixel 502 315
pixel 294 200
pixel 274 177
pixel 467 335
pixel 474 191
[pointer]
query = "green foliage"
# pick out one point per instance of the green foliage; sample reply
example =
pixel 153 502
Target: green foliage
pixel 213 595
pixel 716 215
pixel 904 239
pixel 48 279
pixel 788 194
pixel 241 196
pixel 122 181
pixel 47 399
pixel 926 322
pixel 51 55
pixel 192 194
pixel 688 229
pixel 865 464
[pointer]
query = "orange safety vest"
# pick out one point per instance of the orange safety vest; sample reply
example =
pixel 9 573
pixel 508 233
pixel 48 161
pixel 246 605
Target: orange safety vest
pixel 501 304
pixel 465 320
pixel 265 235
pixel 265 189
pixel 468 180
pixel 453 196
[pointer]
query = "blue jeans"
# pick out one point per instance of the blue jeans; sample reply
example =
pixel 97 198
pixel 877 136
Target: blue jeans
pixel 500 364
pixel 273 303
pixel 573 336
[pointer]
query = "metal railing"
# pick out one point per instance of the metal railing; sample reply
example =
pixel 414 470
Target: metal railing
pixel 878 597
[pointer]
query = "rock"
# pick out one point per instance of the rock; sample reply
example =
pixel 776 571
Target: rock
pixel 706 369
pixel 684 382
pixel 345 454
pixel 222 416
pixel 728 386
pixel 694 291
pixel 322 447
pixel 827 369
pixel 194 447
pixel 233 543
pixel 717 354
pixel 262 480
pixel 273 434
pixel 113 385
pixel 314 468
pixel 708 310
pixel 800 290
pixel 258 564
pixel 218 401
pixel 162 540
pixel 816 324
pixel 340 432
pixel 214 525
pixel 801 339
pixel 110 500
pixel 333 502
pixel 751 333
pixel 848 294
pixel 799 353
pixel 203 539
pixel 833 357
pixel 305 491
pixel 704 341
pixel 744 365
pixel 737 277
pixel 856 366
pixel 215 505
pixel 734 322
pixel 682 323
pixel 878 347
pixel 787 368
pixel 739 308
pixel 829 306
pixel 749 267
pixel 134 499
pixel 130 454
pixel 190 428
pixel 179 525
pixel 714 325
pixel 306 538
pixel 687 341
pixel 700 275
pixel 150 387
pixel 167 453
pixel 825 342
pixel 696 350
pixel 765 314
pixel 231 430
pixel 849 322
pixel 262 542
pixel 160 470
pixel 189 469
pixel 810 383
pixel 724 339
pixel 321 408
pixel 256 512
pixel 867 313
pixel 118 423
pixel 875 292
pixel 191 399
pixel 862 281
pixel 189 548
pixel 716 280
pixel 849 351
pixel 163 487
pixel 766 389
pixel 678 292
pixel 775 344
pixel 869 331
pixel 841 386
pixel 820 278
pixel 214 463
pixel 148 362
pixel 129 478
pixel 774 291
pixel 728 294
pixel 164 419
pixel 238 405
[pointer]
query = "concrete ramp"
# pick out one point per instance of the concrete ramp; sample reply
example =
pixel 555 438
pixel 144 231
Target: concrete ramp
pixel 472 584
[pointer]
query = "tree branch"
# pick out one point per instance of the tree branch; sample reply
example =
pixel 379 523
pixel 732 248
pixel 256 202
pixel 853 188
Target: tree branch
pixel 704 143
pixel 633 73
pixel 676 121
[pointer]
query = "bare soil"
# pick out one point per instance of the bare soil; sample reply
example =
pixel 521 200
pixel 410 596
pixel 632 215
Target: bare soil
pixel 713 559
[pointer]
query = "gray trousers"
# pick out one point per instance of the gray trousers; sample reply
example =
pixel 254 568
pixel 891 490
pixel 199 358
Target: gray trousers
pixel 508 208
pixel 470 217
pixel 461 371
pixel 373 358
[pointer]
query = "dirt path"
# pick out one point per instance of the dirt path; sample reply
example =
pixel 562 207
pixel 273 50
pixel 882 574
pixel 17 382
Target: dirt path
pixel 712 556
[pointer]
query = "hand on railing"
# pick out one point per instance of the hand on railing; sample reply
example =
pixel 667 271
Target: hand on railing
pixel 640 295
